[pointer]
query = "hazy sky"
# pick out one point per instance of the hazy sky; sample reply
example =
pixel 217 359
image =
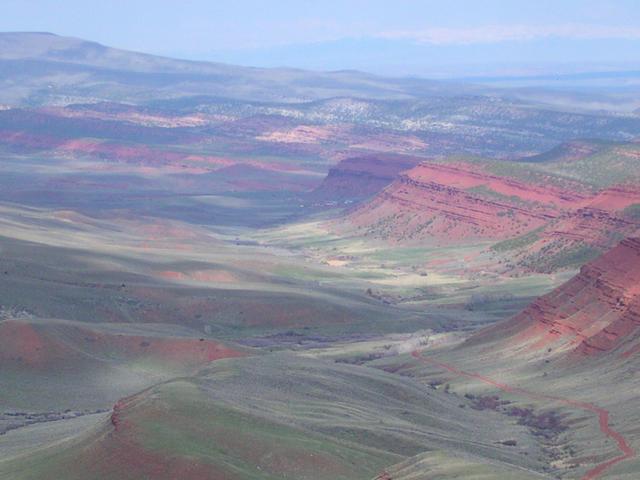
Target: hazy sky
pixel 410 36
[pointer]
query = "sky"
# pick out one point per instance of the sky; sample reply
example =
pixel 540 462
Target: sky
pixel 404 37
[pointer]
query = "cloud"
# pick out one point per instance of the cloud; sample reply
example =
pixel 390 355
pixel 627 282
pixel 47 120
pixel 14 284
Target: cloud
pixel 505 33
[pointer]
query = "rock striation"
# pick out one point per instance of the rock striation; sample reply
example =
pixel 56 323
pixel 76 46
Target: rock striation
pixel 550 224
pixel 596 312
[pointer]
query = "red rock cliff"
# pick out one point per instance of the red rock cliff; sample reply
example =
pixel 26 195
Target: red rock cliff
pixel 595 312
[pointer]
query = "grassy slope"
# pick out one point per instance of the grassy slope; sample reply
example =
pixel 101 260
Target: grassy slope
pixel 424 276
pixel 244 418
pixel 104 270
pixel 606 167
pixel 53 365
pixel 442 465
pixel 606 382
pixel 605 164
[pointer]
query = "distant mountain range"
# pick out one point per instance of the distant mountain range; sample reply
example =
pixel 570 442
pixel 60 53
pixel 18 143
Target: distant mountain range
pixel 39 69
pixel 43 68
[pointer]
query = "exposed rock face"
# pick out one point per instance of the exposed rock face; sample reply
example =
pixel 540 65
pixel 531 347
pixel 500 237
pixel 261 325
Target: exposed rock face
pixel 591 226
pixel 597 311
pixel 468 176
pixel 462 202
pixel 616 198
pixel 438 211
pixel 458 202
pixel 361 177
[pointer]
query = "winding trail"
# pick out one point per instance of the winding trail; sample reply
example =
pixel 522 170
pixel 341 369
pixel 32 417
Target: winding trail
pixel 603 414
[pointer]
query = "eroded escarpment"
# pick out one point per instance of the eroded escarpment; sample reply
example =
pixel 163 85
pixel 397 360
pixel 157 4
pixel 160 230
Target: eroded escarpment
pixel 454 204
pixel 539 222
pixel 596 312
pixel 363 176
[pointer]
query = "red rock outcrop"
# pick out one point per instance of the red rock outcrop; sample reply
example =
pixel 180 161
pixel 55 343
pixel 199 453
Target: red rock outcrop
pixel 616 198
pixel 463 201
pixel 591 226
pixel 597 311
pixel 458 202
pixel 466 176
pixel 360 177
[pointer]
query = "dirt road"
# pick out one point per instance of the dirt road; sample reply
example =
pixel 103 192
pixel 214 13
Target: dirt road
pixel 626 451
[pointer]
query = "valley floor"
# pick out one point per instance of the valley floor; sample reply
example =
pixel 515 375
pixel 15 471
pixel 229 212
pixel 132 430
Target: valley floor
pixel 291 340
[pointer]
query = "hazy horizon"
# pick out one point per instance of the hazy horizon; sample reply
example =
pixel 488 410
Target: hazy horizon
pixel 430 39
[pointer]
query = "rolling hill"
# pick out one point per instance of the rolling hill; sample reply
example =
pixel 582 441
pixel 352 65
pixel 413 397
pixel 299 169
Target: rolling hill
pixel 320 420
pixel 93 365
pixel 55 69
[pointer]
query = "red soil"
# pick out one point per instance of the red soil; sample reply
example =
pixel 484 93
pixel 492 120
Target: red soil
pixel 616 198
pixel 28 141
pixel 122 451
pixel 129 458
pixel 174 350
pixel 384 476
pixel 597 311
pixel 172 275
pixel 464 176
pixel 588 226
pixel 603 414
pixel 439 202
pixel 151 157
pixel 44 346
pixel 32 125
pixel 140 154
pixel 22 343
pixel 132 417
pixel 88 136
